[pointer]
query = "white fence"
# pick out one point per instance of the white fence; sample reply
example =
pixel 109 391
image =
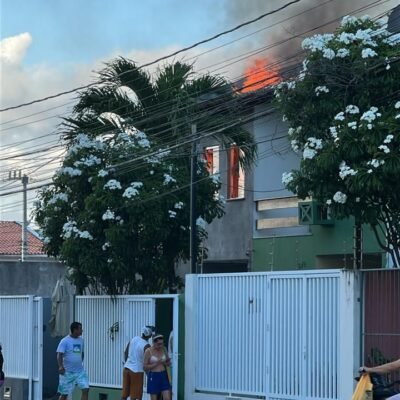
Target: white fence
pixel 108 325
pixel 21 335
pixel 271 335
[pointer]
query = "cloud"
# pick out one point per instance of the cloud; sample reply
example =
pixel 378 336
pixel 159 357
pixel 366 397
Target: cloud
pixel 14 48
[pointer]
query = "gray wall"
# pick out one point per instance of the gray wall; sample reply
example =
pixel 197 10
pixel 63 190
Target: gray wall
pixel 275 156
pixel 230 237
pixel 32 277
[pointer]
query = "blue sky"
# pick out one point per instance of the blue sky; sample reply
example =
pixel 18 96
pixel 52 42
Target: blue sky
pixel 83 30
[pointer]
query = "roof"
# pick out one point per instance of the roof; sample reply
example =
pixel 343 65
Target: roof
pixel 11 237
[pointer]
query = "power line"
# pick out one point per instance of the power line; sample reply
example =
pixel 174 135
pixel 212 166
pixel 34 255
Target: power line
pixel 160 58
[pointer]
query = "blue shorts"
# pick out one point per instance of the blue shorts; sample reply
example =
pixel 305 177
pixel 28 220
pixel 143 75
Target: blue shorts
pixel 69 380
pixel 157 382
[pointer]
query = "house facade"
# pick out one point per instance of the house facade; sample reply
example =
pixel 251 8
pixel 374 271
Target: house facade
pixel 266 227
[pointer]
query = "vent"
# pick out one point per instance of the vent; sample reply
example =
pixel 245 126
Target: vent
pixel 313 213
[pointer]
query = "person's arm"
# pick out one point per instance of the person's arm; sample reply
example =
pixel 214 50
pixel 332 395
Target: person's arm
pixel 126 352
pixel 60 362
pixel 168 359
pixel 383 369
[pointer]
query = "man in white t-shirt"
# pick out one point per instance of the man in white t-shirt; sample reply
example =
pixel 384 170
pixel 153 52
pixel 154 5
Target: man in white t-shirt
pixel 132 382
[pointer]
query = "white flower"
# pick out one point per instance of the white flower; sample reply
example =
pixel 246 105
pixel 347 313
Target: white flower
pixel 333 132
pixel 58 196
pixel 113 184
pixel 366 53
pixel 83 141
pixel 345 170
pixel 291 131
pixel 384 148
pixel 329 54
pixel 342 53
pixel 340 197
pixel 352 109
pixel 105 246
pixel 348 20
pixel 172 214
pixel 388 139
pixel 314 143
pixel 201 223
pixel 108 215
pixel 178 205
pixel 287 177
pixel 132 190
pixel 370 171
pixel 329 202
pixel 321 89
pixel 85 235
pixel 370 115
pixel 340 116
pixel 70 171
pixel 89 161
pixel 102 173
pixel 295 145
pixel 376 163
pixel 309 153
pixel 168 179
pixel 352 125
pixel 397 105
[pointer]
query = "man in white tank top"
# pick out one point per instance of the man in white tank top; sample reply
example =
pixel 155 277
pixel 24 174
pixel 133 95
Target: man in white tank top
pixel 132 382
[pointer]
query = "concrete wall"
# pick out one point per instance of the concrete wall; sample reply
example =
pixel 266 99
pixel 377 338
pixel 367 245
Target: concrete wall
pixel 32 277
pixel 230 237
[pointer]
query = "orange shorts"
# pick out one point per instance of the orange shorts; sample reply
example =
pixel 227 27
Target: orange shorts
pixel 132 384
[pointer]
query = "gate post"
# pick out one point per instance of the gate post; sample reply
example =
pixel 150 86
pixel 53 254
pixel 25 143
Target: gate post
pixel 349 332
pixel 190 334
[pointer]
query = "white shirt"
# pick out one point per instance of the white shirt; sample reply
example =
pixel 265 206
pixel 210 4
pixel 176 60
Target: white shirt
pixel 136 354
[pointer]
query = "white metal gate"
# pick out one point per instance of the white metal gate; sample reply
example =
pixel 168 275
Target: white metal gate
pixel 108 325
pixel 273 335
pixel 21 335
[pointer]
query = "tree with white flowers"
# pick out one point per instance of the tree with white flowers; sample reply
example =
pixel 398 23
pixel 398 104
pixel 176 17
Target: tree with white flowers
pixel 343 111
pixel 117 211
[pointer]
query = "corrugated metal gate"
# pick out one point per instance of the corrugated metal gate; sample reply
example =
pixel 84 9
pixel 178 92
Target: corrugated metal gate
pixel 274 335
pixel 108 325
pixel 21 335
pixel 381 315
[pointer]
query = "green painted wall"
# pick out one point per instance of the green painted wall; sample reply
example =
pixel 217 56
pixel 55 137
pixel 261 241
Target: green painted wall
pixel 96 393
pixel 300 252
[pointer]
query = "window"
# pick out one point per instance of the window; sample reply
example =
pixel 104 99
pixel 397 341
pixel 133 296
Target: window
pixel 212 158
pixel 235 174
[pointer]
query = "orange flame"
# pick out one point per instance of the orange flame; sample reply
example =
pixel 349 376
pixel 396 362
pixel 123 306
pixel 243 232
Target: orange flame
pixel 259 76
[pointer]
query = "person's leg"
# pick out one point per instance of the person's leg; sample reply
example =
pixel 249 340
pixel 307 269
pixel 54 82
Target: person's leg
pixel 82 381
pixel 166 395
pixel 153 396
pixel 395 397
pixel 66 385
pixel 126 384
pixel 85 394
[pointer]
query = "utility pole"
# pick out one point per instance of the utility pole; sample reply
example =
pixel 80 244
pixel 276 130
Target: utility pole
pixel 13 176
pixel 193 211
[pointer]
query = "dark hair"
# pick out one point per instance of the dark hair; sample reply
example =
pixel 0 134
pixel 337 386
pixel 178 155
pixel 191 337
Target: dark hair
pixel 75 325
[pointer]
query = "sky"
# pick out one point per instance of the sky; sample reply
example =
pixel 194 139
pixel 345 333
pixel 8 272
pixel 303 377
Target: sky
pixel 47 46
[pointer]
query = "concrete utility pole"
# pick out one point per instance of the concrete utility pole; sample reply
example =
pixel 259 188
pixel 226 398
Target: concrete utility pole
pixel 13 176
pixel 193 211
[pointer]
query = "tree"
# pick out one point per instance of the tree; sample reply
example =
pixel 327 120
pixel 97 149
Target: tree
pixel 117 211
pixel 343 110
